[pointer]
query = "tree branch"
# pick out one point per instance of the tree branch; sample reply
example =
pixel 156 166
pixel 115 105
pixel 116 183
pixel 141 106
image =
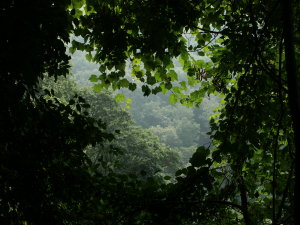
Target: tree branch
pixel 286 219
pixel 244 202
pixel 199 202
pixel 285 193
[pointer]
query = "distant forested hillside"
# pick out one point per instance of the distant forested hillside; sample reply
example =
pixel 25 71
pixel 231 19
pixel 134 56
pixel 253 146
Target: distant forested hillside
pixel 177 126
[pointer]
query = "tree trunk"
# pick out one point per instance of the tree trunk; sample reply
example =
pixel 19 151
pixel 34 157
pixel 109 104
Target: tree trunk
pixel 244 202
pixel 293 92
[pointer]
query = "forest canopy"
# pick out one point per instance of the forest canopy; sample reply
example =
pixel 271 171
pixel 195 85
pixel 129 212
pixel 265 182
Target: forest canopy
pixel 249 175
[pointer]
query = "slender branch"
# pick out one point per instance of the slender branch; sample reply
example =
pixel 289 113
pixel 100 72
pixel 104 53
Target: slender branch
pixel 270 74
pixel 286 219
pixel 222 32
pixel 198 202
pixel 285 192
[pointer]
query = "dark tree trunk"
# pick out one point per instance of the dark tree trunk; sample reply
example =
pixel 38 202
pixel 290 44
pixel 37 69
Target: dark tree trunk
pixel 293 92
pixel 244 203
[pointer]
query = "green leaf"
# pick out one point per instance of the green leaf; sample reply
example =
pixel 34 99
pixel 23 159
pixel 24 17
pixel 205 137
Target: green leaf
pixel 132 176
pixel 123 83
pixel 86 106
pixel 207 183
pixel 93 78
pixel 156 90
pixel 128 101
pixel 268 186
pixel 163 89
pixel 120 98
pixel 173 99
pixel 173 75
pixel 136 61
pixel 252 136
pixel 178 172
pixel 147 92
pixel 157 76
pixel 170 65
pixel 102 68
pixel 98 87
pixel 81 99
pixel 77 4
pixel 151 80
pixel 120 66
pixel 115 86
pixel 168 85
pixel 198 159
pixel 215 154
pixel 176 90
pixel 181 60
pixel 203 149
pixel 71 102
pixel 132 86
pixel 78 107
pixel 72 50
pixel 167 178
pixel 285 166
pixel 220 40
pixel 183 85
pixel 216 109
pixel 89 57
pixel 143 173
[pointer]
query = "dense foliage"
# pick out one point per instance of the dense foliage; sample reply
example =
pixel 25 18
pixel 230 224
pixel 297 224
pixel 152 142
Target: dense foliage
pixel 177 126
pixel 250 176
pixel 135 149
